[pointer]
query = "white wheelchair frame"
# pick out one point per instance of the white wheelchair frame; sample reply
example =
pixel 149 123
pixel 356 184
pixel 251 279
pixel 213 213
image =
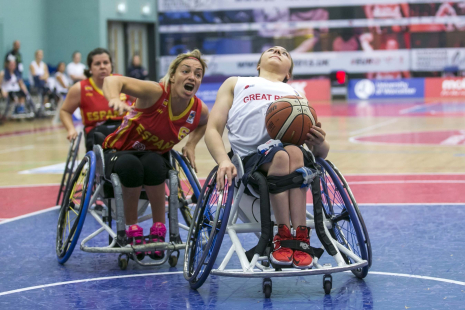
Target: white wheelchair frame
pixel 255 269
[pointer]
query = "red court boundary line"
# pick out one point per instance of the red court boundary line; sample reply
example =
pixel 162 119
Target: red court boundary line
pixel 27 131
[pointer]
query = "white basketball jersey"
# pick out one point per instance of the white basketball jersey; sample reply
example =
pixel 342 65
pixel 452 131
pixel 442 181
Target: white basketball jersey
pixel 246 118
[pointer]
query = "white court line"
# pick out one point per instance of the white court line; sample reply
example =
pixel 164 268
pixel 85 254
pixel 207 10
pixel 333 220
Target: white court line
pixel 406 181
pixel 180 272
pixel 407 110
pixel 88 280
pixel 369 128
pixel 415 276
pixel 28 215
pixel 15 149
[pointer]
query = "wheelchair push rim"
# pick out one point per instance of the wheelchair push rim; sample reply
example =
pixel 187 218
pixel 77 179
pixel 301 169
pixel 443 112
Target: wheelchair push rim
pixel 346 224
pixel 207 231
pixel 74 209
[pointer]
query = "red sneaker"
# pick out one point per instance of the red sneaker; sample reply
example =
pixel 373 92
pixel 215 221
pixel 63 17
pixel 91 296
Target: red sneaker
pixel 301 259
pixel 135 235
pixel 280 255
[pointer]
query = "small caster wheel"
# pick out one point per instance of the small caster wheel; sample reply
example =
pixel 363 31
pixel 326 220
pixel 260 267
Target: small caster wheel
pixel 327 283
pixel 173 260
pixel 122 262
pixel 267 287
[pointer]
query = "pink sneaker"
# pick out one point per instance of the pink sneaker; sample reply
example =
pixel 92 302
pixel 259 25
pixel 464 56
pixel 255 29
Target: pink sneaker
pixel 157 234
pixel 135 235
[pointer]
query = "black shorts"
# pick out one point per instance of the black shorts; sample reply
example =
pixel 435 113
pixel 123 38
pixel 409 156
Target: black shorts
pixel 105 129
pixel 17 94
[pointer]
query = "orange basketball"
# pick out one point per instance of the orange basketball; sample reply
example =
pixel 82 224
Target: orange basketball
pixel 289 119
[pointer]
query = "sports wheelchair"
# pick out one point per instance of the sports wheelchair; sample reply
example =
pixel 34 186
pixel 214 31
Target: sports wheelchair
pixel 28 113
pixel 91 192
pixel 336 219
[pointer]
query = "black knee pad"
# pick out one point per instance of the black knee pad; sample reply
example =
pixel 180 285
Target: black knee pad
pixel 130 170
pixel 155 169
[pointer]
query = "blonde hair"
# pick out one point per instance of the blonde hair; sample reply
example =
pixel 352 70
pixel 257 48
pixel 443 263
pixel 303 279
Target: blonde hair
pixel 175 64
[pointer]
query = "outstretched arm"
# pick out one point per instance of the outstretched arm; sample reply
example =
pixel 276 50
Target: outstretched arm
pixel 189 149
pixel 72 101
pixel 146 92
pixel 215 128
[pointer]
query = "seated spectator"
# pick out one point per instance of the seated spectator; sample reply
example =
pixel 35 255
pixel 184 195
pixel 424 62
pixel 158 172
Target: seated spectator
pixel 75 69
pixel 12 85
pixel 136 70
pixel 61 88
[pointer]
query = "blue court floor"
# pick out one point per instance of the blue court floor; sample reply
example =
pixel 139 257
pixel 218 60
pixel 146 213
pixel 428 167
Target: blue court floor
pixel 418 263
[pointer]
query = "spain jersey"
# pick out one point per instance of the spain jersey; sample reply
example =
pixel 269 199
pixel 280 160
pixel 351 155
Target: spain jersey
pixel 155 128
pixel 94 106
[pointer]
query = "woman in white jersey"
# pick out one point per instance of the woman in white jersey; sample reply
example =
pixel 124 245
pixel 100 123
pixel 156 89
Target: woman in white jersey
pixel 240 106
pixel 40 74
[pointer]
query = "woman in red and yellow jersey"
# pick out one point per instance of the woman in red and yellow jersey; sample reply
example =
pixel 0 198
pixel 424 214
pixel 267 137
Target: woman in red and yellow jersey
pixel 88 96
pixel 164 113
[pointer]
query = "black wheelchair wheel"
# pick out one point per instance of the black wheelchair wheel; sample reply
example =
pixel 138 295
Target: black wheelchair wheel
pixel 348 227
pixel 74 209
pixel 69 167
pixel 207 231
pixel 188 186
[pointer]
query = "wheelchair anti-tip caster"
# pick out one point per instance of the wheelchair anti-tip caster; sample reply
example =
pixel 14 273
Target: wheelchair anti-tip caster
pixel 123 262
pixel 267 287
pixel 327 283
pixel 173 260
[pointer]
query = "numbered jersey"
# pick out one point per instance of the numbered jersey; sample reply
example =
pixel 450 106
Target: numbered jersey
pixel 94 106
pixel 155 128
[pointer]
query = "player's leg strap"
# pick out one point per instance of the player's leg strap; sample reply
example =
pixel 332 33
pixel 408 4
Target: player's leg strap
pixel 302 177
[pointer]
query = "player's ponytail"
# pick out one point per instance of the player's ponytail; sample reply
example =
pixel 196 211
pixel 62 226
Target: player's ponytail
pixel 175 64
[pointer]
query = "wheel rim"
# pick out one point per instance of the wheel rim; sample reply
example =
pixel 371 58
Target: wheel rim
pixel 208 224
pixel 72 208
pixel 343 229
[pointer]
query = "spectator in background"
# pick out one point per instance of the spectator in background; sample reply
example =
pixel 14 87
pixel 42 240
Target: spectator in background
pixel 61 88
pixel 17 56
pixel 39 73
pixel 136 70
pixel 387 11
pixel 75 69
pixel 39 70
pixel 12 85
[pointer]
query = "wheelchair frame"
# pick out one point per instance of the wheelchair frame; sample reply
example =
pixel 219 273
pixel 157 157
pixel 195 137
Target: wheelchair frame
pixel 103 214
pixel 258 267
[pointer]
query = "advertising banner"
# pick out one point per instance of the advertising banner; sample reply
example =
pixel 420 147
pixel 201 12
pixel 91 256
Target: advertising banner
pixel 444 87
pixel 211 5
pixel 308 63
pixel 386 89
pixel 435 59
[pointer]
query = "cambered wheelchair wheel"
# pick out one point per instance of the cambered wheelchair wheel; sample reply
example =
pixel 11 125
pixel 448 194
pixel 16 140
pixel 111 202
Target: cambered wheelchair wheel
pixel 189 186
pixel 74 209
pixel 69 167
pixel 348 227
pixel 207 231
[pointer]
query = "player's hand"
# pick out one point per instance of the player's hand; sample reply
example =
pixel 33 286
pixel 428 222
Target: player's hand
pixel 189 152
pixel 119 106
pixel 316 136
pixel 72 134
pixel 225 168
